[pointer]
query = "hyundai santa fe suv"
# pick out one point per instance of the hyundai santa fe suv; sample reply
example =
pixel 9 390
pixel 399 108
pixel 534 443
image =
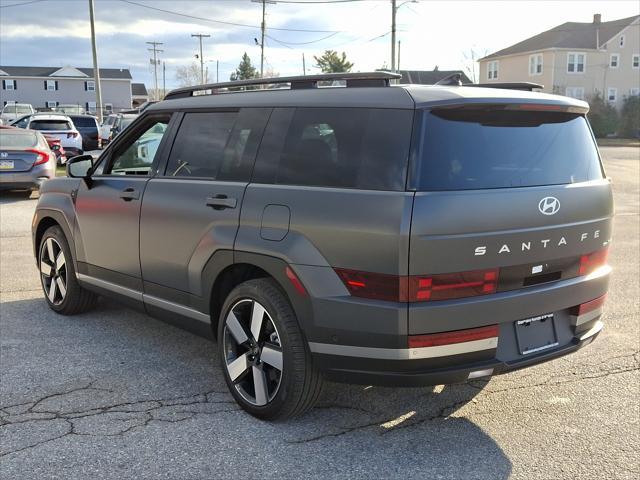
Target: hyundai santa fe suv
pixel 370 233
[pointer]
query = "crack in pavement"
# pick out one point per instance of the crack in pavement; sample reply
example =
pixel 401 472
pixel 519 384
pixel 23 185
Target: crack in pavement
pixel 121 418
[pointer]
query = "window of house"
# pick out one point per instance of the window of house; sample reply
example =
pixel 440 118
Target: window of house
pixel 614 60
pixel 535 64
pixel 492 70
pixel 576 62
pixel 108 107
pixel 634 92
pixel 575 92
pixel 635 60
pixel 52 104
pixel 50 85
pixel 91 107
pixel 90 86
pixel 621 40
pixel 9 84
pixel 612 94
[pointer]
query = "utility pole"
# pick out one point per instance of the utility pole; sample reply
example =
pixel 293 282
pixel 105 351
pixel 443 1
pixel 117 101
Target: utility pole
pixel 155 51
pixel 262 29
pixel 394 9
pixel 164 79
pixel 200 36
pixel 217 71
pixel 96 70
pixel 399 41
pixel 304 66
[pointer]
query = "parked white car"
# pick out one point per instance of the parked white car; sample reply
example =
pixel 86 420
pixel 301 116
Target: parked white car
pixel 13 111
pixel 55 125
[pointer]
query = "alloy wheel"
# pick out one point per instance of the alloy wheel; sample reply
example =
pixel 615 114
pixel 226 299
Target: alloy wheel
pixel 53 271
pixel 253 352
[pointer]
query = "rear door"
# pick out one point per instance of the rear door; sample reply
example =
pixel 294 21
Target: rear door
pixel 193 209
pixel 521 194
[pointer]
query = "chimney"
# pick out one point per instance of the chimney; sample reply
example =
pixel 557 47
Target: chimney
pixel 597 18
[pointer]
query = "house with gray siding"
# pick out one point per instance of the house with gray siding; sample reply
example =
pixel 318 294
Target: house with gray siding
pixel 47 87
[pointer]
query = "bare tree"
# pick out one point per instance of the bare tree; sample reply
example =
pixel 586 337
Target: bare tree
pixel 189 75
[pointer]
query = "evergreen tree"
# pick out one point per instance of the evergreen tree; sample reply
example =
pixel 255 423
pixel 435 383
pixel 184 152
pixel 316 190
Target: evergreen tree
pixel 331 62
pixel 245 70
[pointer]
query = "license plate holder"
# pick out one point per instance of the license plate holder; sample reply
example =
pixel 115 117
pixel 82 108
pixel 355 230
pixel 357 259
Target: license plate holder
pixel 6 165
pixel 536 334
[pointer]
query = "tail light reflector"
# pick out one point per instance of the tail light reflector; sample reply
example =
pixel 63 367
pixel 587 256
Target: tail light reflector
pixel 590 262
pixel 449 338
pixel 589 306
pixel 419 288
pixel 42 157
pixel 295 281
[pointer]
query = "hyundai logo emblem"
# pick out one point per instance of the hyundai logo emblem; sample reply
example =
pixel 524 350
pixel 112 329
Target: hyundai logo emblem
pixel 549 205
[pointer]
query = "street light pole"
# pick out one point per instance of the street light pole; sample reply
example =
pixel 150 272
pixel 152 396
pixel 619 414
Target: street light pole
pixel 200 35
pixel 263 26
pixel 393 35
pixel 96 70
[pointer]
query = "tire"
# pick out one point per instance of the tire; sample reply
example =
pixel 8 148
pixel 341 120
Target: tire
pixel 67 296
pixel 285 393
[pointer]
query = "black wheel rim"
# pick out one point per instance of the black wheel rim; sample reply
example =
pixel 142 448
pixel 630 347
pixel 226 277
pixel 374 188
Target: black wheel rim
pixel 53 271
pixel 253 352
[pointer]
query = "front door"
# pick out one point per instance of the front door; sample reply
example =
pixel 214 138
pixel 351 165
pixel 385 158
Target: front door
pixel 108 206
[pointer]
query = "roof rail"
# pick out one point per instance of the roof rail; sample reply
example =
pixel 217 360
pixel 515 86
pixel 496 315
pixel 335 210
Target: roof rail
pixel 527 86
pixel 364 79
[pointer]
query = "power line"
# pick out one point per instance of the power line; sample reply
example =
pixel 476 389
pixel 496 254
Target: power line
pixel 304 43
pixel 223 22
pixel 20 4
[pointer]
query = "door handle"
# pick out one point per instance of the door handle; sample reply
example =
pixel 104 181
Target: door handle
pixel 220 202
pixel 129 194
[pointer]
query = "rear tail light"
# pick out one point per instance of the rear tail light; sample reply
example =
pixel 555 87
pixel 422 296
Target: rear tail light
pixel 42 157
pixel 592 261
pixel 419 288
pixel 589 306
pixel 449 338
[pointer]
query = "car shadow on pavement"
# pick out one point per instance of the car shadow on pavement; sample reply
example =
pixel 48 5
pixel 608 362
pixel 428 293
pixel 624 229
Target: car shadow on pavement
pixel 13 196
pixel 116 373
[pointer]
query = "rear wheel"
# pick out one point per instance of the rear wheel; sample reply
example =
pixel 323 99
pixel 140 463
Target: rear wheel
pixel 263 354
pixel 62 291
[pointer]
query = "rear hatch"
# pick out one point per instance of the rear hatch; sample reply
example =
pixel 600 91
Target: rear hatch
pixel 508 197
pixel 60 129
pixel 17 150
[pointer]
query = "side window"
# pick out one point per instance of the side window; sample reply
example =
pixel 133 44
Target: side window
pixel 22 123
pixel 217 145
pixel 136 156
pixel 361 148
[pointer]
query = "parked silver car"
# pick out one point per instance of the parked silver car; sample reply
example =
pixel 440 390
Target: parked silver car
pixel 26 161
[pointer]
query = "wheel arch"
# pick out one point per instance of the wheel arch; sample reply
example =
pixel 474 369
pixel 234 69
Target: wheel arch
pixel 44 219
pixel 226 270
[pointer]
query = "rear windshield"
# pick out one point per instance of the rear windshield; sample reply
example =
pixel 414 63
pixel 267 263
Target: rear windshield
pixel 484 148
pixel 84 122
pixel 50 125
pixel 17 109
pixel 19 139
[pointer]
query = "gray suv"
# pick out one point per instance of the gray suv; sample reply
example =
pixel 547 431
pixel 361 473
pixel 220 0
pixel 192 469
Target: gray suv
pixel 369 233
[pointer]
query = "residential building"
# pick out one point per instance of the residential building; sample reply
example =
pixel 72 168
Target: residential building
pixel 429 77
pixel 139 94
pixel 47 87
pixel 574 59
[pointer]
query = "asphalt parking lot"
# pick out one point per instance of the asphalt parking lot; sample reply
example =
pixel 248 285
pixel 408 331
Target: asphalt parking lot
pixel 117 394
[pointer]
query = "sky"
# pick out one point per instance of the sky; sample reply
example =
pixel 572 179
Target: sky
pixel 447 34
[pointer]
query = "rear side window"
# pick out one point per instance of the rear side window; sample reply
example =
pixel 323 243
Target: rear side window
pixel 50 125
pixel 466 149
pixel 19 139
pixel 336 147
pixel 217 145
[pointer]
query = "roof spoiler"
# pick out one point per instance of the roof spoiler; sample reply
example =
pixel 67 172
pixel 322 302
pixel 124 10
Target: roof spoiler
pixel 365 79
pixel 455 79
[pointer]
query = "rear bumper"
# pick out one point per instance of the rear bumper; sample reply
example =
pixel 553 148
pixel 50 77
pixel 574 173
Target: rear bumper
pixel 32 179
pixel 448 371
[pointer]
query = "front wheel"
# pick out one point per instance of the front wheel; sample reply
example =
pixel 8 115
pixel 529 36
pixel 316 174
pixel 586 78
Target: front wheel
pixel 266 364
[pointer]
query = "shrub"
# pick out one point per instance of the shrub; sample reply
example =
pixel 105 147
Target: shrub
pixel 602 116
pixel 630 117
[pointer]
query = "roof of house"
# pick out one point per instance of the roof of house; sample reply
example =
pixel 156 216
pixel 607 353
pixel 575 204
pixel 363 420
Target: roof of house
pixel 569 35
pixel 106 73
pixel 429 77
pixel 139 89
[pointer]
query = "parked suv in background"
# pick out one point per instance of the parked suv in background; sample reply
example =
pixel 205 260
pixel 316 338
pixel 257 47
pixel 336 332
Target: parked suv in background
pixel 13 111
pixel 394 235
pixel 88 127
pixel 57 126
pixel 114 124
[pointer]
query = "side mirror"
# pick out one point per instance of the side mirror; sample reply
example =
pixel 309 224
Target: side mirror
pixel 80 166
